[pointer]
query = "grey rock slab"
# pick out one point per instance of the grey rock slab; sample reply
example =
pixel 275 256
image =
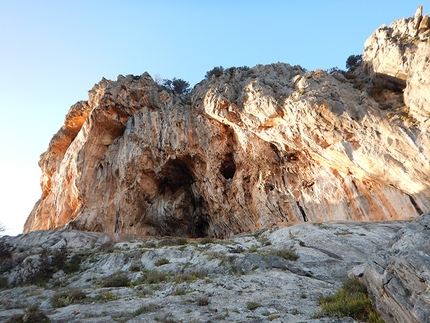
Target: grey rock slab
pixel 204 282
pixel 398 276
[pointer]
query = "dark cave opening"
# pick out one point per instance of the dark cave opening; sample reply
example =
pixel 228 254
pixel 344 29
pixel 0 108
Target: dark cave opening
pixel 174 175
pixel 184 209
pixel 228 167
pixel 201 228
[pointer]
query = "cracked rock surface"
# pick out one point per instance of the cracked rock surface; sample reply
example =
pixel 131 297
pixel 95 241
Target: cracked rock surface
pixel 275 274
pixel 248 149
pixel 399 277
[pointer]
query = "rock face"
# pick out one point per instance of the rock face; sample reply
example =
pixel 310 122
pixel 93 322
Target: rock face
pixel 247 149
pixel 398 277
pixel 398 56
pixel 187 281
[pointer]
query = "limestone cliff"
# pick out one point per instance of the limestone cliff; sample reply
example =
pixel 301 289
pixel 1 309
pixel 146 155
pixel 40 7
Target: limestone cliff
pixel 397 56
pixel 246 149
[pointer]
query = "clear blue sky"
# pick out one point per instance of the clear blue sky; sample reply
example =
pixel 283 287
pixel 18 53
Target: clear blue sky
pixel 53 52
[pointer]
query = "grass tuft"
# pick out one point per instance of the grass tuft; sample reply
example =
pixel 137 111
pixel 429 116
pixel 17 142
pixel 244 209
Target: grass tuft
pixel 116 280
pixel 162 261
pixel 202 301
pixel 288 254
pixel 252 305
pixel 152 277
pixel 352 300
pixel 67 297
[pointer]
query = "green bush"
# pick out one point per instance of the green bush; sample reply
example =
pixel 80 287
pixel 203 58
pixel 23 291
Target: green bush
pixel 166 242
pixel 182 278
pixel 32 315
pixel 73 265
pixel 181 241
pixel 67 297
pixel 352 300
pixel 116 280
pixel 202 301
pixel 252 305
pixel 288 254
pixel 216 71
pixel 3 282
pixel 51 262
pixel 206 240
pixel 5 251
pixel 173 242
pixel 179 291
pixel 179 86
pixel 146 309
pixel 153 277
pixel 150 244
pixel 162 261
pixel 107 247
pixel 48 264
pixel 105 296
pixel 135 267
pixel 167 318
pixel 353 61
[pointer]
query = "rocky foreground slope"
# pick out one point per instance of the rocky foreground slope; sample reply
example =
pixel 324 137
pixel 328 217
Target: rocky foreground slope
pixel 248 148
pixel 276 274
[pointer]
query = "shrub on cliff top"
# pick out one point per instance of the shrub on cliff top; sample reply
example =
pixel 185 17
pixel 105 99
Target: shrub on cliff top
pixel 216 71
pixel 179 86
pixel 353 62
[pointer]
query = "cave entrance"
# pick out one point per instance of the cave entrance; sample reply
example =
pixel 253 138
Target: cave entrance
pixel 201 228
pixel 174 175
pixel 228 167
pixel 183 210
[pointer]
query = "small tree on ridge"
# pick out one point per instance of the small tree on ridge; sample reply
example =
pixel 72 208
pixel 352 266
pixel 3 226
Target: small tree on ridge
pixel 179 86
pixel 353 61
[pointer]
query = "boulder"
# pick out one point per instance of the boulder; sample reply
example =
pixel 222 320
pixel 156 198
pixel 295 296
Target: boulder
pixel 398 277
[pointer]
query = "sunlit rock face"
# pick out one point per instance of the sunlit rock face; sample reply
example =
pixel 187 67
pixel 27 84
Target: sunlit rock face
pixel 247 149
pixel 398 56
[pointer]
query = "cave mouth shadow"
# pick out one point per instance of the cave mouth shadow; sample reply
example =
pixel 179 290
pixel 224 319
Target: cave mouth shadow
pixel 174 175
pixel 228 167
pixel 176 179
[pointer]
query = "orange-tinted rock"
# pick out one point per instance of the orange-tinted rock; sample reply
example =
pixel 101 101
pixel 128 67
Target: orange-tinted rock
pixel 248 149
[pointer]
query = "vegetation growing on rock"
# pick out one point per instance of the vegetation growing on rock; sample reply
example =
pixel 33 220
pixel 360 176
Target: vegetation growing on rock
pixel 353 62
pixel 352 300
pixel 259 273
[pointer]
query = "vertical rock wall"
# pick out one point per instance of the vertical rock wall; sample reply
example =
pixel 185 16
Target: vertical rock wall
pixel 247 149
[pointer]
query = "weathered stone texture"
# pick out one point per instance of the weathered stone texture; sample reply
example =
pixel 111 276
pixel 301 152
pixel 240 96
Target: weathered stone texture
pixel 398 56
pixel 272 144
pixel 246 149
pixel 398 277
pixel 229 274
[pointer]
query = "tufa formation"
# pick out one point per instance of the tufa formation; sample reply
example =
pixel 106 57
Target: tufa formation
pixel 248 148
